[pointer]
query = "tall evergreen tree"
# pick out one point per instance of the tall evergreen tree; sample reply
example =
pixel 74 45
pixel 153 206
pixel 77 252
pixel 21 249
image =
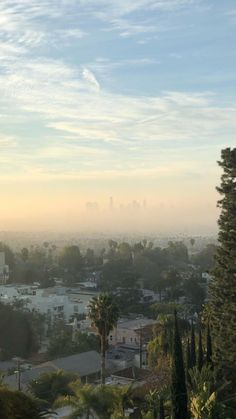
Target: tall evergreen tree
pixel 200 359
pixel 161 409
pixel 208 346
pixel 188 361
pixel 223 285
pixel 193 347
pixel 178 384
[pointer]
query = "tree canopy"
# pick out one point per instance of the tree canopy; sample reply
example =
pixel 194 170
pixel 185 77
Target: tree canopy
pixel 17 333
pixel 223 286
pixel 50 386
pixel 15 404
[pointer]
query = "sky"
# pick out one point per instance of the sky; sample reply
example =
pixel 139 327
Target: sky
pixel 129 99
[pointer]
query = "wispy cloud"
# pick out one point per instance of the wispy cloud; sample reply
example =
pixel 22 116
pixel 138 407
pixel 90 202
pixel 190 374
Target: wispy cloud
pixel 90 78
pixel 104 8
pixel 123 16
pixel 42 173
pixel 63 98
pixel 70 33
pixel 105 67
pixel 7 141
pixel 128 28
pixel 231 15
pixel 9 51
pixel 97 122
pixel 27 21
pixel 69 150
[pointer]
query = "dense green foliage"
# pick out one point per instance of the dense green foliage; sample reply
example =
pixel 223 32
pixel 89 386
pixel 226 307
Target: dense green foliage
pixel 50 386
pixel 62 343
pixel 192 348
pixel 16 405
pixel 17 332
pixel 123 266
pixel 33 265
pixel 127 265
pixel 223 287
pixel 103 401
pixel 161 345
pixel 188 360
pixel 70 258
pixel 161 409
pixel 206 258
pixel 209 346
pixel 178 384
pixel 152 400
pixel 9 255
pixel 202 397
pixel 194 292
pixel 200 357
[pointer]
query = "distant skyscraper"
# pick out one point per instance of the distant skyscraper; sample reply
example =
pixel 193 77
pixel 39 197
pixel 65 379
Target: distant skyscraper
pixel 144 204
pixel 135 205
pixel 111 203
pixel 91 206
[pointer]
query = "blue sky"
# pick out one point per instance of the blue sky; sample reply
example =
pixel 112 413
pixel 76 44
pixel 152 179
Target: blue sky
pixel 127 98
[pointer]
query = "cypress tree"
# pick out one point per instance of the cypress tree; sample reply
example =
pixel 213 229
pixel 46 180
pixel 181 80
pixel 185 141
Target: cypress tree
pixel 193 347
pixel 162 410
pixel 223 285
pixel 188 361
pixel 209 346
pixel 178 384
pixel 200 360
pixel 155 412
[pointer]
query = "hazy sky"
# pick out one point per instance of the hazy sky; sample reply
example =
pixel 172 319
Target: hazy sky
pixel 123 98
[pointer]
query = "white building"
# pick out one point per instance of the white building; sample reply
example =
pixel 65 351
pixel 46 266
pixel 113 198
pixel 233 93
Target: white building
pixel 207 277
pixel 4 269
pixel 54 302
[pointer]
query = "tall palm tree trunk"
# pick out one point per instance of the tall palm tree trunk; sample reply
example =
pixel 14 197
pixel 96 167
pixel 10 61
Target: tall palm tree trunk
pixel 103 358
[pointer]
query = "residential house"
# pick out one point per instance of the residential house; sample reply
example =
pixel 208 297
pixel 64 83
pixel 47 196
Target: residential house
pixel 4 269
pixel 87 365
pixel 132 332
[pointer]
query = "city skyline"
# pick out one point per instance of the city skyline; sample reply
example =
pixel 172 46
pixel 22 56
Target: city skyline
pixel 113 205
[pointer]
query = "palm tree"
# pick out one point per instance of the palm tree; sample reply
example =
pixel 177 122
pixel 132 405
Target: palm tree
pixel 104 313
pixel 203 401
pixel 82 401
pixel 152 399
pixel 91 402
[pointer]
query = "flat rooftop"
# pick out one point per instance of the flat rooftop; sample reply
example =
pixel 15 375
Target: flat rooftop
pixel 135 324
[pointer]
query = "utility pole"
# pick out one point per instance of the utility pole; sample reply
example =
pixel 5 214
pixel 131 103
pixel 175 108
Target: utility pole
pixel 141 347
pixel 19 375
pixel 18 372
